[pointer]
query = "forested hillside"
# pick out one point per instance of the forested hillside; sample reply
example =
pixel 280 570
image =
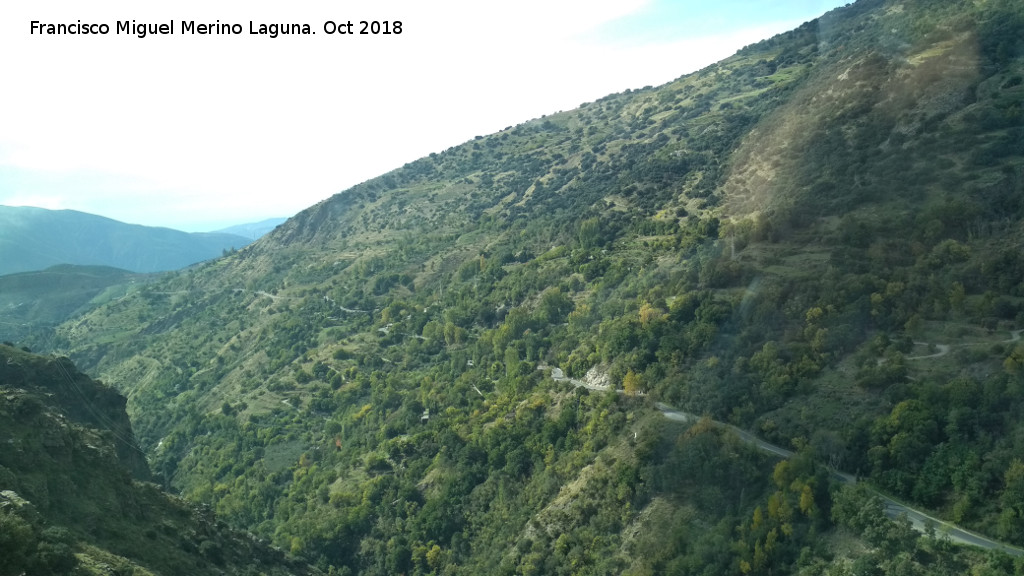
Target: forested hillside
pixel 34 302
pixel 817 240
pixel 72 494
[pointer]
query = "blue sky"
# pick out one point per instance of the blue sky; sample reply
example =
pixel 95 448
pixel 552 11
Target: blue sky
pixel 668 20
pixel 199 133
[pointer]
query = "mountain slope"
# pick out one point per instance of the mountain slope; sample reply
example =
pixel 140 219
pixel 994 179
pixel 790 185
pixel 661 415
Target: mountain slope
pixel 785 240
pixel 35 302
pixel 68 503
pixel 35 239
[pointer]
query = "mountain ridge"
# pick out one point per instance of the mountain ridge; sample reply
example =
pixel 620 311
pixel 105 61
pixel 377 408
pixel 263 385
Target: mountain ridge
pixel 36 238
pixel 253 230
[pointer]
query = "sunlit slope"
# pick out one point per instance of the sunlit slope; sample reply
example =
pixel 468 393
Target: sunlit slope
pixel 786 240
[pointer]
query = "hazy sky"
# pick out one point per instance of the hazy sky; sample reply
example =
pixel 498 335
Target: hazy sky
pixel 198 132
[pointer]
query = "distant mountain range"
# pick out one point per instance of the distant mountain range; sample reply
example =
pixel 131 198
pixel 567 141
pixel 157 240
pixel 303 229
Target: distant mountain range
pixel 36 238
pixel 254 230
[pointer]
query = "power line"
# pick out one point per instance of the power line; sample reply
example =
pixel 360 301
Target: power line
pixel 100 417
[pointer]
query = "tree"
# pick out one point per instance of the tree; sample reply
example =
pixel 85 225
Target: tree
pixel 650 315
pixel 1015 361
pixel 553 307
pixel 957 295
pixel 589 233
pixel 16 540
pixel 1011 521
pixel 632 383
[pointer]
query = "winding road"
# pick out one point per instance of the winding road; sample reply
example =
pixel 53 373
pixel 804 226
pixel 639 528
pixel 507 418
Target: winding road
pixel 558 376
pixel 893 508
pixel 943 349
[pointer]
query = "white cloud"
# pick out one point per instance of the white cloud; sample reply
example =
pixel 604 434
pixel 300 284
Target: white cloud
pixel 48 202
pixel 183 130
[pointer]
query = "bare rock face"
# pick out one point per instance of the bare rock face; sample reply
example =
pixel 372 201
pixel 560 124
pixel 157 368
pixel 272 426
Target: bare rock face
pixel 11 498
pixel 598 378
pixel 70 476
pixel 54 386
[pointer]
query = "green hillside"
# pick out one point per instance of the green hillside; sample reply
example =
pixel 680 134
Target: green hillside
pixel 32 304
pixel 72 495
pixel 816 240
pixel 36 239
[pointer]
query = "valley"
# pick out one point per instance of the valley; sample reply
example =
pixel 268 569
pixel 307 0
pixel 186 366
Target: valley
pixel 468 365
